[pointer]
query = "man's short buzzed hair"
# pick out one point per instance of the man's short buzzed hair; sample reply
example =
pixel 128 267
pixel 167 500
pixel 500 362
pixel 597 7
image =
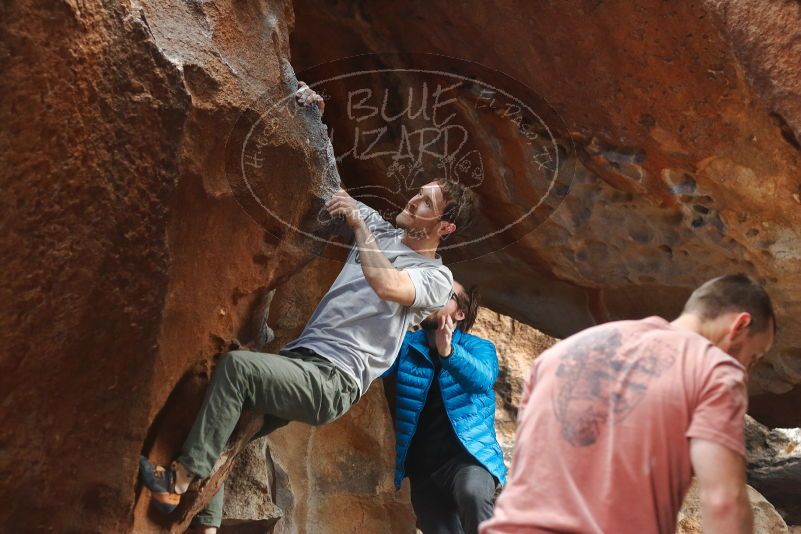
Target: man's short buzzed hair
pixel 460 203
pixel 468 302
pixel 733 293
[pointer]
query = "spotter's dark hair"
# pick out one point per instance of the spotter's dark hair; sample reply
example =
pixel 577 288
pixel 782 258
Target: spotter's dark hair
pixel 468 302
pixel 733 293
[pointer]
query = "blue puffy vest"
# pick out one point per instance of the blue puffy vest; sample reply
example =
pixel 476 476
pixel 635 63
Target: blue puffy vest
pixel 466 381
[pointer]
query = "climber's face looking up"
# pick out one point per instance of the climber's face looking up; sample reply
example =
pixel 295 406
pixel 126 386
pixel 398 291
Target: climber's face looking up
pixel 421 218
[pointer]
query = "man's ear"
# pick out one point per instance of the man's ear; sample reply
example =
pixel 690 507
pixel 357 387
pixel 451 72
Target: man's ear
pixel 446 228
pixel 740 325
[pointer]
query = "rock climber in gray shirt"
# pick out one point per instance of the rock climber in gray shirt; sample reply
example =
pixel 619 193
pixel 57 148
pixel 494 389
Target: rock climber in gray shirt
pixel 392 279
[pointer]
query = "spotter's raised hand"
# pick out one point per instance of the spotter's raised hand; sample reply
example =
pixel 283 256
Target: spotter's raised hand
pixel 444 335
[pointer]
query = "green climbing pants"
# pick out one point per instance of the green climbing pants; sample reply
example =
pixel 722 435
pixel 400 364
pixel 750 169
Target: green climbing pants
pixel 296 385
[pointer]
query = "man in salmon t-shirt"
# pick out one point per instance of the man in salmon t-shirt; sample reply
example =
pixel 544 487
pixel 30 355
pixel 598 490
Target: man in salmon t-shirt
pixel 616 419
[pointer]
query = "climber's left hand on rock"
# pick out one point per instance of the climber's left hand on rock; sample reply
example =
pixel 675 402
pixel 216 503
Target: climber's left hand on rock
pixel 343 205
pixel 305 96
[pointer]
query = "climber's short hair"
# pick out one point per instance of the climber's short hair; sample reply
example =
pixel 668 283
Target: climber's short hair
pixel 460 203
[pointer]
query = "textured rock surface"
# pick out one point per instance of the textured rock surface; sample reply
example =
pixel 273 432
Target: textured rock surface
pixel 133 251
pixel 127 260
pixel 250 501
pixel 518 345
pixel 766 519
pixel 91 116
pixel 774 467
pixel 681 121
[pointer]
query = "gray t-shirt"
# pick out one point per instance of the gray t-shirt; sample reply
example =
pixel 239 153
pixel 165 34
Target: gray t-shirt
pixel 356 330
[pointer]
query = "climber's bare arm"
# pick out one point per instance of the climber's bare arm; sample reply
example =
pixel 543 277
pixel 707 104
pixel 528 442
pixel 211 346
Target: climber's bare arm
pixel 388 282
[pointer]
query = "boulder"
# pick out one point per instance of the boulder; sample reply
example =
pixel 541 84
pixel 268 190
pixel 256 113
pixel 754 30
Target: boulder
pixel 161 198
pixel 766 519
pixel 774 466
pixel 674 130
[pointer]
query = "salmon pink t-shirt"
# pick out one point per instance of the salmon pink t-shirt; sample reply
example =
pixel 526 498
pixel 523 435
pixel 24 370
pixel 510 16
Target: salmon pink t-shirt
pixel 603 431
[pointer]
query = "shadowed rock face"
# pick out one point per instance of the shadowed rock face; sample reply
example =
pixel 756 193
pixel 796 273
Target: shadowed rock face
pixel 130 255
pixel 774 466
pixel 517 345
pixel 679 125
pixel 92 116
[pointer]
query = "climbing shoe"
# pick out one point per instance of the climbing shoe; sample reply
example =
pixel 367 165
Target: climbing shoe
pixel 161 483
